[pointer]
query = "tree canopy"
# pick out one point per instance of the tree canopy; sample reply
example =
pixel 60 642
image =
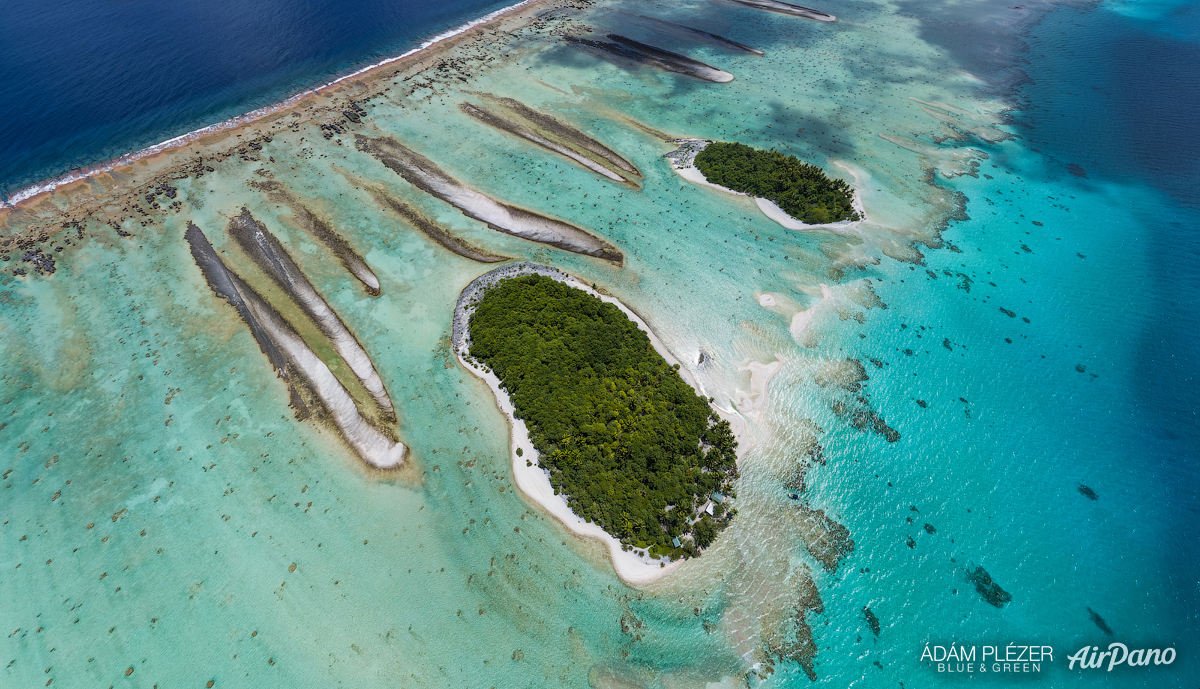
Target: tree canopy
pixel 627 441
pixel 803 191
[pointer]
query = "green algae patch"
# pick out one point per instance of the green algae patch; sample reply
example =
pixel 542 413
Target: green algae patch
pixel 630 445
pixel 802 190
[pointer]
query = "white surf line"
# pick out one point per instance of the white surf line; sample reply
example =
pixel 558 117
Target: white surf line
pixel 232 123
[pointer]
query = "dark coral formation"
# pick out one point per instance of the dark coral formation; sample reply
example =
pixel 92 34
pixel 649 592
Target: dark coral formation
pixel 811 452
pixel 848 375
pixel 987 587
pixel 872 620
pixel 1096 618
pixel 826 540
pixel 787 636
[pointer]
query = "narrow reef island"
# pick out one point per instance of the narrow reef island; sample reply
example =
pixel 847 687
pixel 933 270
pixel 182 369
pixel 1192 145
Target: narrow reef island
pixel 791 192
pixel 607 435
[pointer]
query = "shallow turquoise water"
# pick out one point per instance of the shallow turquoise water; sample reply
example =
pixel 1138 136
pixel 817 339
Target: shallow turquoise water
pixel 393 582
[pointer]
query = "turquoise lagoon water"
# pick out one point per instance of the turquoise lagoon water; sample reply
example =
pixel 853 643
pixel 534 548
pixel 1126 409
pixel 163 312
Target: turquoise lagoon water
pixel 125 377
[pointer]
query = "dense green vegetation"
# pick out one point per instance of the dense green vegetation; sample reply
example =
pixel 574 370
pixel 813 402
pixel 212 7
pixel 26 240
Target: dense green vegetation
pixel 801 190
pixel 630 444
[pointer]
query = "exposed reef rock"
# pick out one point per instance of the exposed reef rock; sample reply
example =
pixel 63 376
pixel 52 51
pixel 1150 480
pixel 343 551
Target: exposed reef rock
pixel 320 230
pixel 266 251
pixel 293 360
pixel 785 8
pixel 423 174
pixel 696 34
pixel 989 589
pixel 430 229
pixel 545 131
pixel 641 53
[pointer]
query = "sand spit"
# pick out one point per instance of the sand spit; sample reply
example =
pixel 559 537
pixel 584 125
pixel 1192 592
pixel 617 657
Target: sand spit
pixel 423 174
pixel 642 53
pixel 320 230
pixel 633 567
pixel 430 229
pixel 696 34
pixel 785 8
pixel 266 251
pixel 545 131
pixel 290 355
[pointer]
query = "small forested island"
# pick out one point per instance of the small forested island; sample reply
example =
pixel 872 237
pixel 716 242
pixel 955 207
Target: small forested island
pixel 802 190
pixel 630 445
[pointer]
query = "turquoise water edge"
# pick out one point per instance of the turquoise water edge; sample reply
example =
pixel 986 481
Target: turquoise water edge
pixel 1018 300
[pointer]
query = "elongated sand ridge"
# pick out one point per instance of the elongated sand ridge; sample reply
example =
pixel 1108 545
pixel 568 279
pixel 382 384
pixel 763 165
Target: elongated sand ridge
pixel 785 8
pixel 629 50
pixel 440 235
pixel 569 134
pixel 423 174
pixel 266 251
pixel 696 34
pixel 634 567
pixel 320 230
pixel 546 138
pixel 289 354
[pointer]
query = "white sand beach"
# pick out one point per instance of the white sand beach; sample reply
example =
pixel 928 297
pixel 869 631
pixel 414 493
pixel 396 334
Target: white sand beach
pixel 532 479
pixel 682 163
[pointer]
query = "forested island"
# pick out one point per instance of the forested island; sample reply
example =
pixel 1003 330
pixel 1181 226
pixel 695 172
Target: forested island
pixel 630 445
pixel 802 190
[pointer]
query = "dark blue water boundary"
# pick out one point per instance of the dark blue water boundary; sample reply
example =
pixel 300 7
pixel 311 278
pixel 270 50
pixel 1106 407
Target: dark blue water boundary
pixel 87 81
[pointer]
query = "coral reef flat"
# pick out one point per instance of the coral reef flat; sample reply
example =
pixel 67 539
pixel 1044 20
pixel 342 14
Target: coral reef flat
pixel 940 423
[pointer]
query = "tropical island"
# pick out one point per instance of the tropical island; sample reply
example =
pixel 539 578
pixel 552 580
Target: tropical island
pixel 793 188
pixel 628 444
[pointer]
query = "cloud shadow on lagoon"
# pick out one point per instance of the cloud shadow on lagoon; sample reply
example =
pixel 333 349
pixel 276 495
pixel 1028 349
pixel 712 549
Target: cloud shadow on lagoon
pixel 820 136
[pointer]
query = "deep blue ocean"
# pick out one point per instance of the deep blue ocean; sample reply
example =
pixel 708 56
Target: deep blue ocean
pixel 89 80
